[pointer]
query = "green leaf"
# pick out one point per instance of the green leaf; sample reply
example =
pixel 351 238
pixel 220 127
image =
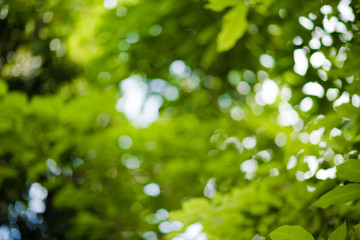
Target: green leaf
pixel 233 28
pixel 357 230
pixel 347 110
pixel 262 6
pixel 3 87
pixel 287 232
pixel 321 188
pixel 339 195
pixel 219 5
pixel 349 170
pixel 339 233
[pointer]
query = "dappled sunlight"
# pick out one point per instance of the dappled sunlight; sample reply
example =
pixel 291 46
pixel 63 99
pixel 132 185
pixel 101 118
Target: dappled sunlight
pixel 301 62
pixel 313 89
pixel 136 105
pixel 192 232
pixel 152 189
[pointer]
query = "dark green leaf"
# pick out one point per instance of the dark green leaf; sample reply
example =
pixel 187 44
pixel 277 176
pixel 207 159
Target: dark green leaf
pixel 347 110
pixel 349 170
pixel 357 230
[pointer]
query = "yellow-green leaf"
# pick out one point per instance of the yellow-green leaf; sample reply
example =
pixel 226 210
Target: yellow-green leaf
pixel 339 195
pixel 287 232
pixel 219 5
pixel 233 28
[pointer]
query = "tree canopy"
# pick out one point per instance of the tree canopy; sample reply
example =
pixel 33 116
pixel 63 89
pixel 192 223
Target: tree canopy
pixel 182 120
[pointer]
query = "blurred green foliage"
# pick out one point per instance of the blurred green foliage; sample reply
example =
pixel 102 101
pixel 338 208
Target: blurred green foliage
pixel 219 119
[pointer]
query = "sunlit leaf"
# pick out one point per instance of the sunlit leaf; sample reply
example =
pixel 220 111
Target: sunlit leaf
pixel 234 25
pixel 339 195
pixel 287 232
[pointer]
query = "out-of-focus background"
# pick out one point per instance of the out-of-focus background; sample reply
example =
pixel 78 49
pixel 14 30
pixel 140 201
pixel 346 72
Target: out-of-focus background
pixel 168 119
